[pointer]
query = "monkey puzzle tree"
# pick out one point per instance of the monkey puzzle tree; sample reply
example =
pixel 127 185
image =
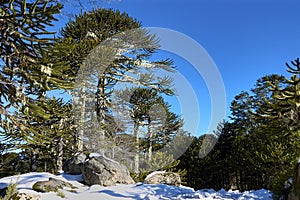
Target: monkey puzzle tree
pixel 25 74
pixel 287 95
pixel 106 48
pixel 145 107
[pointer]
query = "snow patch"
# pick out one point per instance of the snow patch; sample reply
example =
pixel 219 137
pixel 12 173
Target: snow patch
pixel 133 191
pixel 154 173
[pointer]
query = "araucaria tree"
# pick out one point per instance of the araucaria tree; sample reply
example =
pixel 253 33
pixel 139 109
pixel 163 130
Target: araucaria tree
pixel 24 73
pixel 143 107
pixel 106 48
pixel 50 138
pixel 29 69
pixel 23 39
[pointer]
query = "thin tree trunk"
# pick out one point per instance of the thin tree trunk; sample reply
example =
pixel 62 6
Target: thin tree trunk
pixel 45 166
pixel 150 141
pixel 34 160
pixel 101 104
pixel 81 121
pixel 100 99
pixel 59 161
pixel 101 107
pixel 136 157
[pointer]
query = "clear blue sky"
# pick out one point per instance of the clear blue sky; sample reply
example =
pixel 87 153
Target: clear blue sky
pixel 246 39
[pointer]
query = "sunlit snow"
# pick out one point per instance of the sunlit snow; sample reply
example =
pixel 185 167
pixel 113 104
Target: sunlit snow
pixel 134 191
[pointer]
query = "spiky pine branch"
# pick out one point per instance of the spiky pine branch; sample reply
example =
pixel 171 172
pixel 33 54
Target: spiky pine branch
pixel 24 37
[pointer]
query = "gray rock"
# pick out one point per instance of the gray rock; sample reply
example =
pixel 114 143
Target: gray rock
pixel 51 185
pixel 73 165
pixel 169 178
pixel 104 171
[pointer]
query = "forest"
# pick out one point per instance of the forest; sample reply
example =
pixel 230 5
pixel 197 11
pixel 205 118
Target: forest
pixel 257 147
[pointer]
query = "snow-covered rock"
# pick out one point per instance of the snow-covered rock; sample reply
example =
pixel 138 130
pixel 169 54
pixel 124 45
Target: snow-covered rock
pixel 158 177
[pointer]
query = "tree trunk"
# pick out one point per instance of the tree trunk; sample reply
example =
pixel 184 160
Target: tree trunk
pixel 100 99
pixel 81 123
pixel 137 146
pixel 101 108
pixel 150 141
pixel 101 104
pixel 59 161
pixel 34 159
pixel 45 166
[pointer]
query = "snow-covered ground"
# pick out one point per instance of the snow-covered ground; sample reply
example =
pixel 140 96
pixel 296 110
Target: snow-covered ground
pixel 136 191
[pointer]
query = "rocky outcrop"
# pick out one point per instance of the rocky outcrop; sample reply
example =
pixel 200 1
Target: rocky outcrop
pixel 104 171
pixel 73 165
pixel 161 177
pixel 51 185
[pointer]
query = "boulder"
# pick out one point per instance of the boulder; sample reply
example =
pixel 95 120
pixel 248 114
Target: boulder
pixel 73 165
pixel 105 172
pixel 295 189
pixel 162 177
pixel 51 185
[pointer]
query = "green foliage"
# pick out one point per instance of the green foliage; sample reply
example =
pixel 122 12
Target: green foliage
pixel 48 138
pixel 295 192
pixel 278 183
pixel 139 177
pixel 162 161
pixel 24 39
pixel 11 192
pixel 258 147
pixel 101 22
pixel 142 107
pixel 61 194
pixel 27 72
pixel 13 163
pixel 83 35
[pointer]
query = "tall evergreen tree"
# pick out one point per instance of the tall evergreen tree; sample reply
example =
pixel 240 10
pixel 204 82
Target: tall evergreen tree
pixel 288 96
pixel 25 74
pixel 118 64
pixel 52 137
pixel 145 107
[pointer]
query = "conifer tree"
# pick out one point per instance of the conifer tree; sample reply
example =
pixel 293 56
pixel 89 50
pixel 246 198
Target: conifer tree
pixel 119 64
pixel 24 71
pixel 288 96
pixel 52 137
pixel 145 107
